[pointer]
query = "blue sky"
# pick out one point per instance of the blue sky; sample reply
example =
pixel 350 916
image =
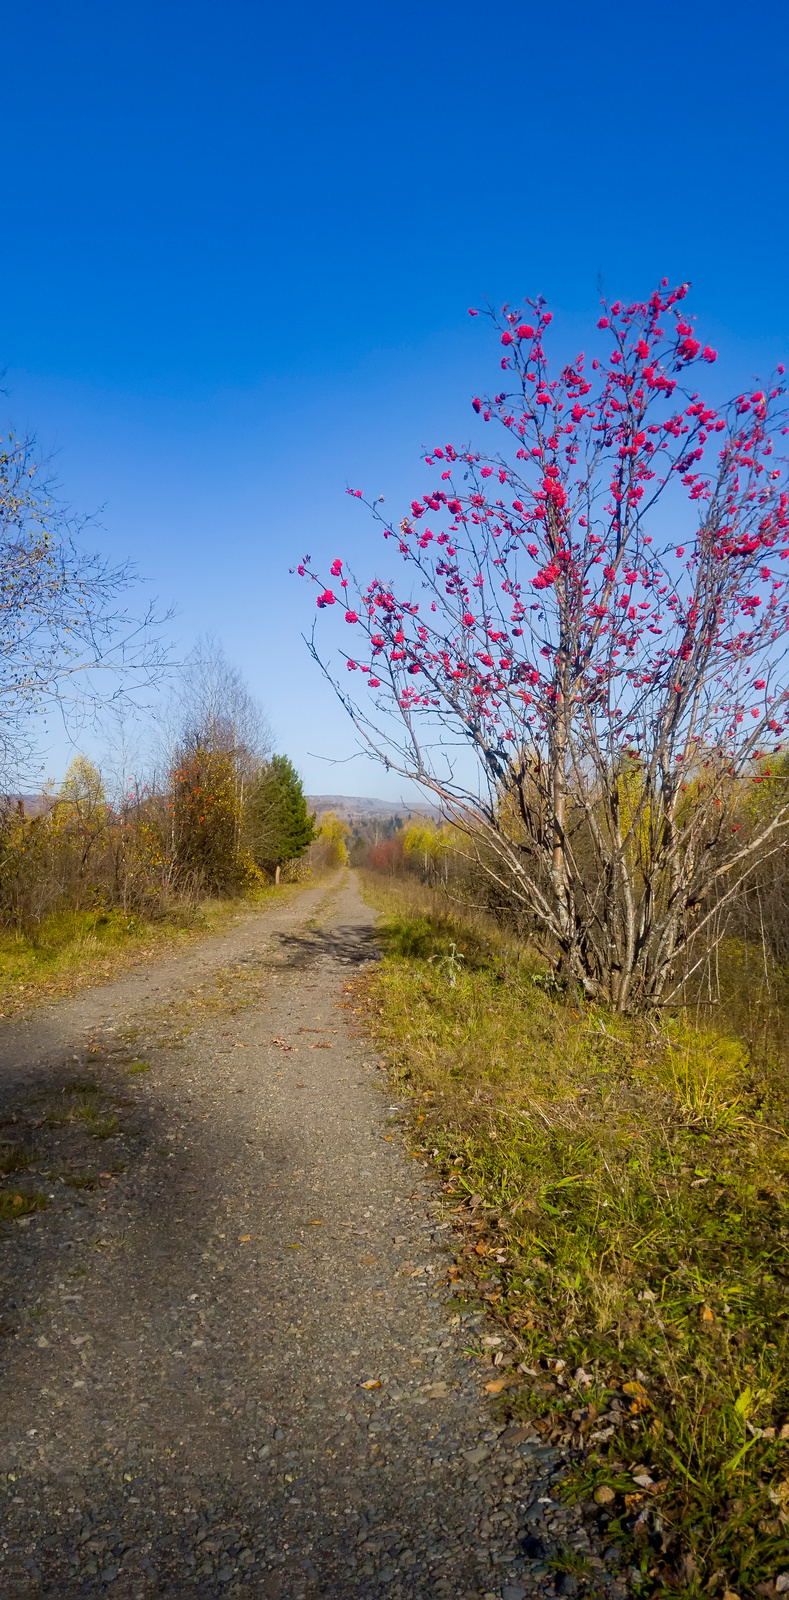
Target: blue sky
pixel 239 243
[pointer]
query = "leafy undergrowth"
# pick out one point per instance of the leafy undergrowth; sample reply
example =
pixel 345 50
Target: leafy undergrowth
pixel 622 1191
pixel 70 949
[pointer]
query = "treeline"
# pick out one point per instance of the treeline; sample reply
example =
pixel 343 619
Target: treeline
pixel 223 815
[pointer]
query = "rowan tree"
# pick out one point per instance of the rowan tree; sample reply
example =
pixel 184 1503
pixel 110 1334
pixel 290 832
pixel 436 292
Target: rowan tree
pixel 584 655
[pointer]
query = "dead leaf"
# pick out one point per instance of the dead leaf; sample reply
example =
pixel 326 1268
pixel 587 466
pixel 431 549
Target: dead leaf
pixel 707 1314
pixel 316 1223
pixel 283 1045
pixel 368 1261
pixel 371 1383
pixel 500 1383
pixel 244 1238
pixel 481 1248
pixel 639 1399
pixel 323 1044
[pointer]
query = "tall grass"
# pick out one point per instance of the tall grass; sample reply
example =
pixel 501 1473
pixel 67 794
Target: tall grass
pixel 623 1192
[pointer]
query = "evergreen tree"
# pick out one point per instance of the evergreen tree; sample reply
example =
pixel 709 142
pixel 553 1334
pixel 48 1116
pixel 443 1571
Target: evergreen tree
pixel 279 826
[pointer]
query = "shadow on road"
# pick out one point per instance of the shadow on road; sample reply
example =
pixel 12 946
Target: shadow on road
pixel 349 946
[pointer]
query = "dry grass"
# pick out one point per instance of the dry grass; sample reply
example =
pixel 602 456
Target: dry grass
pixel 625 1196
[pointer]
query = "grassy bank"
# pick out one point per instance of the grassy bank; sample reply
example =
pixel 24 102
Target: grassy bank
pixel 622 1196
pixel 71 949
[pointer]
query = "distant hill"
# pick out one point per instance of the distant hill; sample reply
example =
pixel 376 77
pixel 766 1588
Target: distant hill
pixel 357 808
pixel 31 804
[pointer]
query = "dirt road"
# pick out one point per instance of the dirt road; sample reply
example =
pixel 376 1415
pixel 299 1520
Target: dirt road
pixel 231 1364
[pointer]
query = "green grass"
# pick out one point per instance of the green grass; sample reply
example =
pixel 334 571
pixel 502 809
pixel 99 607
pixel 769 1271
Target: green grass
pixel 17 1158
pixel 624 1191
pixel 13 1206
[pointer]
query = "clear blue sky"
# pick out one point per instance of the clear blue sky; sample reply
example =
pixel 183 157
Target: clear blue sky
pixel 239 241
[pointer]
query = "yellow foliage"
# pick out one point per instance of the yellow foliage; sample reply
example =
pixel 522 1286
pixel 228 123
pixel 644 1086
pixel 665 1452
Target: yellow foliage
pixel 334 833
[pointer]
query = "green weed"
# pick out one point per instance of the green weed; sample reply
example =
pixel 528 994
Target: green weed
pixel 20 1205
pixel 17 1158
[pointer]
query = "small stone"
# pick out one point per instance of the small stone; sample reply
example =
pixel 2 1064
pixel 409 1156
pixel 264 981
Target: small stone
pixel 224 1574
pixel 474 1457
pixel 386 1574
pixel 782 1583
pixel 109 1574
pixel 567 1584
pixel 516 1434
pixel 604 1495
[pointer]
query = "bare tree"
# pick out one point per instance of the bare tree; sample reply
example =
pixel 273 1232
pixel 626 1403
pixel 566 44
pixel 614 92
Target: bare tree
pixel 67 640
pixel 213 709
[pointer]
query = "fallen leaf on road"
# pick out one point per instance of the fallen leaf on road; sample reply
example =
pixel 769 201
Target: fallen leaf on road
pixel 244 1238
pixel 372 1383
pixel 300 1085
pixel 283 1045
pixel 292 1247
pixel 323 1044
pixel 238 1046
pixel 500 1383
pixel 368 1261
pixel 318 1223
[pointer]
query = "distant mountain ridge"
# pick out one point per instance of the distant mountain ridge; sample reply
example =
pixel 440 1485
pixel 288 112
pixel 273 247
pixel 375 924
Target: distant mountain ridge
pixel 354 807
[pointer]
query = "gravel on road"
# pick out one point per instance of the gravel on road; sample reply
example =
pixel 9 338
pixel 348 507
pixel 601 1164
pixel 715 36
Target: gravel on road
pixel 231 1363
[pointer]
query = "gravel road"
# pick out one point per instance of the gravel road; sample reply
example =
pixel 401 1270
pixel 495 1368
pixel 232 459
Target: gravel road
pixel 230 1360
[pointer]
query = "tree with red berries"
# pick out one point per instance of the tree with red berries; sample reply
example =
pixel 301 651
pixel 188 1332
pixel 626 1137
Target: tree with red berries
pixel 596 613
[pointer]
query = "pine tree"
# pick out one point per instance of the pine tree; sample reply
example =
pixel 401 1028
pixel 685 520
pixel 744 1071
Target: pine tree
pixel 279 825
